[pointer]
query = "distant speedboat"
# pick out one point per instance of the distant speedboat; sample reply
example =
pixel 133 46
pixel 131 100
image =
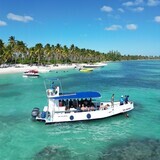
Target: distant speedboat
pixel 75 106
pixel 86 69
pixel 31 73
pixel 96 65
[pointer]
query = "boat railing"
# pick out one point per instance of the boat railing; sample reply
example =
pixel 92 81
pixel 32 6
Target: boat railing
pixel 97 106
pixel 62 109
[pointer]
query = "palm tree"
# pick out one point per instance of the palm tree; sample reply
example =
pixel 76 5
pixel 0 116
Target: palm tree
pixel 12 44
pixel 12 41
pixel 31 54
pixel 20 50
pixel 1 51
pixel 65 52
pixel 7 54
pixel 58 51
pixel 39 51
pixel 47 52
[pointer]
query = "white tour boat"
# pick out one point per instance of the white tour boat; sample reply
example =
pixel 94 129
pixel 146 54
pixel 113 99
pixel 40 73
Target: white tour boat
pixel 96 65
pixel 31 73
pixel 76 106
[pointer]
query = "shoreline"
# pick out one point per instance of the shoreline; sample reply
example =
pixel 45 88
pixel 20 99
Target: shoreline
pixel 19 68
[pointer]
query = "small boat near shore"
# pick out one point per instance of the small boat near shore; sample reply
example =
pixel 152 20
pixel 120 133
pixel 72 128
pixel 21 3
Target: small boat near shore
pixel 96 65
pixel 75 106
pixel 86 70
pixel 31 73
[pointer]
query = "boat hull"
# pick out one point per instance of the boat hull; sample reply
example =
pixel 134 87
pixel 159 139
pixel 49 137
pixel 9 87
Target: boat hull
pixel 32 76
pixel 73 116
pixel 31 73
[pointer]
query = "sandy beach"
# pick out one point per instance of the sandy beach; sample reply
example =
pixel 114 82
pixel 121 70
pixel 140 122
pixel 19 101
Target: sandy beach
pixel 19 68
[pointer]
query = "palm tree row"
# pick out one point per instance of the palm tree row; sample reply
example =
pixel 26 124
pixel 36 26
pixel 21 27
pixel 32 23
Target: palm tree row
pixel 16 51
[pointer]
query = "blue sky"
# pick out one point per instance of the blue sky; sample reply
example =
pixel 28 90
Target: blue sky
pixel 129 26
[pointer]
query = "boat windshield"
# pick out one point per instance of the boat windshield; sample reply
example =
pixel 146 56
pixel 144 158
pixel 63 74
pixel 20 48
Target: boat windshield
pixel 51 83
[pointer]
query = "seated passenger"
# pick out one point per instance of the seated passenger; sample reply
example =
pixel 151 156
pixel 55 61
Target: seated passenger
pixel 63 102
pixel 60 103
pixel 79 108
pixel 101 106
pixel 70 103
pixel 85 102
pixel 84 108
pixel 106 106
pixel 74 103
pixel 92 107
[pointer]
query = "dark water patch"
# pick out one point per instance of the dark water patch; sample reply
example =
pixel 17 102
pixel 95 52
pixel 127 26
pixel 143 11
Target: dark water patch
pixel 53 153
pixel 9 94
pixel 2 86
pixel 138 107
pixel 140 149
pixel 13 119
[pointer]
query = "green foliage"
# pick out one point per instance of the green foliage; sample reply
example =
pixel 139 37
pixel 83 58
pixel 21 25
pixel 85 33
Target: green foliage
pixel 17 52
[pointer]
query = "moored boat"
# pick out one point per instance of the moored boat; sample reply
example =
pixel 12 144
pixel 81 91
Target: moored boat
pixel 76 106
pixel 86 69
pixel 96 65
pixel 31 73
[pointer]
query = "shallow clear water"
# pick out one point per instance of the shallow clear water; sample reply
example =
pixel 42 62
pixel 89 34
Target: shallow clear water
pixel 21 138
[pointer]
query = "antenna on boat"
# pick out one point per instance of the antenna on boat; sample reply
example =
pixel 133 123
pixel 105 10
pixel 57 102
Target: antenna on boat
pixel 61 86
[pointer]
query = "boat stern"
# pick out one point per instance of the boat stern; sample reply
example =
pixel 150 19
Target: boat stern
pixel 128 107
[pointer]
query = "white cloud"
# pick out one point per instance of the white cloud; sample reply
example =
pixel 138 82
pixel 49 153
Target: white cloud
pixel 131 26
pixel 99 19
pixel 2 23
pixel 106 9
pixel 138 9
pixel 127 4
pixel 121 10
pixel 132 3
pixel 19 18
pixel 153 2
pixel 113 28
pixel 157 19
pixel 137 2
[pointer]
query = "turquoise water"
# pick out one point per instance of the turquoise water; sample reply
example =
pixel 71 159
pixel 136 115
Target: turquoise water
pixel 117 137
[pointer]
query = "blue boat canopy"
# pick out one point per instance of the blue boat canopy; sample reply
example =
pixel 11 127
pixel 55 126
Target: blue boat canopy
pixel 78 95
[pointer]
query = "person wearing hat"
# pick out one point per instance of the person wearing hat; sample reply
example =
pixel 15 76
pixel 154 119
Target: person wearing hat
pixel 121 100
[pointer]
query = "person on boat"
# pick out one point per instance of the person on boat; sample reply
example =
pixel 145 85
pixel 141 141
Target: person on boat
pixel 126 99
pixel 102 107
pixel 85 102
pixel 79 108
pixel 67 105
pixel 55 89
pixel 70 103
pixel 121 100
pixel 91 107
pixel 60 103
pixel 84 108
pixel 74 103
pixel 63 102
pixel 112 100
